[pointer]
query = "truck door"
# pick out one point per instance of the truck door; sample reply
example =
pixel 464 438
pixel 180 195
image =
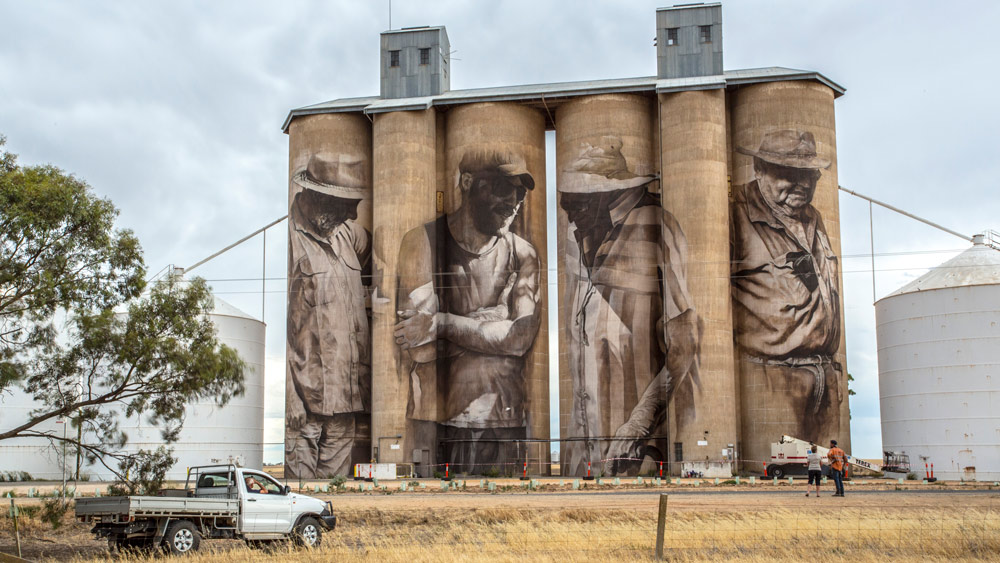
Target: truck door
pixel 266 509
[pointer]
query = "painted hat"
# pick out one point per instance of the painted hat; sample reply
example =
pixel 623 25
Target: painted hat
pixel 788 147
pixel 601 168
pixel 341 176
pixel 489 162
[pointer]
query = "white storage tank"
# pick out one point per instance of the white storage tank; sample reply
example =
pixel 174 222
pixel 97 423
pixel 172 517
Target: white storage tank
pixel 939 367
pixel 211 434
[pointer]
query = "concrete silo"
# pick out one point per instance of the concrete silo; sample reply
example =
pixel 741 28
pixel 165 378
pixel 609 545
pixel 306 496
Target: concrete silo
pixel 939 367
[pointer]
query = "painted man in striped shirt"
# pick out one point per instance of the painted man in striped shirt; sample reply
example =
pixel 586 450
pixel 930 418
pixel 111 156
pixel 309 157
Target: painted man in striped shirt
pixel 634 332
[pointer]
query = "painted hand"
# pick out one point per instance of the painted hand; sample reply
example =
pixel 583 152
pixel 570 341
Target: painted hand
pixel 499 312
pixel 626 444
pixel 295 413
pixel 415 329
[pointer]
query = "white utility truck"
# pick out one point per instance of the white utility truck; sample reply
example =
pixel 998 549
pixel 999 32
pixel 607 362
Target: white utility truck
pixel 788 457
pixel 218 501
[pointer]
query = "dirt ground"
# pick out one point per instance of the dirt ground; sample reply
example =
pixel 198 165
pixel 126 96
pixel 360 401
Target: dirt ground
pixel 430 508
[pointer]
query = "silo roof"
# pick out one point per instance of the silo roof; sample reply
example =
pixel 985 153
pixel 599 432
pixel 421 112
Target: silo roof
pixel 979 265
pixel 226 309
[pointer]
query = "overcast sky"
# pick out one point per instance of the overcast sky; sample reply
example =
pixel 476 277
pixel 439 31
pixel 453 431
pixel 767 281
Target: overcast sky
pixel 173 110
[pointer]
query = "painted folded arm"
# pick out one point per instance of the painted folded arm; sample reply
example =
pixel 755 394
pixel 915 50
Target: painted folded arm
pixel 485 332
pixel 499 330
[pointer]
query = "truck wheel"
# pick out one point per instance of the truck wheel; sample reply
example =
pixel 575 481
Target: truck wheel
pixel 181 538
pixel 776 471
pixel 308 533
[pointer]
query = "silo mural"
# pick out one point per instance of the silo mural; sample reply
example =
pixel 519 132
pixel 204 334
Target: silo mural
pixel 786 295
pixel 632 330
pixel 700 313
pixel 469 304
pixel 328 384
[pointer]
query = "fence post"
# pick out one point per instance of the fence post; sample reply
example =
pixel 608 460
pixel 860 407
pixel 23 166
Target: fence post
pixel 661 522
pixel 17 532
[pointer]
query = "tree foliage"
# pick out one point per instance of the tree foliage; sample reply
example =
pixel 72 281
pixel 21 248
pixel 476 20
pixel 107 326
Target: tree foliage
pixel 82 333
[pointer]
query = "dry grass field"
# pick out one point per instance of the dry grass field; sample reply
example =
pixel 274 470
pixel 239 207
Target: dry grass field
pixel 706 524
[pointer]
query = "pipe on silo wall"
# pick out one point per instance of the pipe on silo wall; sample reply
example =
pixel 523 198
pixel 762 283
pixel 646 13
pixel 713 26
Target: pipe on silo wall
pixel 328 399
pixel 786 276
pixel 405 186
pixel 513 136
pixel 613 237
pixel 694 164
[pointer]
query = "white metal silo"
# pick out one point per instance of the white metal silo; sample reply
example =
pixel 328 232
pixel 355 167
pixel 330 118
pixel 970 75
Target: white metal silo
pixel 35 456
pixel 213 434
pixel 939 367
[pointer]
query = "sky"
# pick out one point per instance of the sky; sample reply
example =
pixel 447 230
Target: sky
pixel 173 111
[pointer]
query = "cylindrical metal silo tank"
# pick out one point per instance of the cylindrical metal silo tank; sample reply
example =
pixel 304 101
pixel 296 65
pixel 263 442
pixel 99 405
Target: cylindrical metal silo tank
pixel 329 337
pixel 514 135
pixel 406 167
pixel 613 238
pixel 39 458
pixel 939 368
pixel 693 144
pixel 211 434
pixel 787 284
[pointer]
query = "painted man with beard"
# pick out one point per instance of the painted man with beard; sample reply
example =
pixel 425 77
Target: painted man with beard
pixel 786 296
pixel 469 313
pixel 328 391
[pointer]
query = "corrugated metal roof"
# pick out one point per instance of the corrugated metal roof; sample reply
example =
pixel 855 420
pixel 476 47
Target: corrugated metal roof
pixel 550 91
pixel 979 265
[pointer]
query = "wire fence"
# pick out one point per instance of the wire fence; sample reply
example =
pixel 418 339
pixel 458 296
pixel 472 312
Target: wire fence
pixel 697 527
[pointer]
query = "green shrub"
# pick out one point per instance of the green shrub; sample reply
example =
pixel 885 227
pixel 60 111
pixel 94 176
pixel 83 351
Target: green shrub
pixel 338 482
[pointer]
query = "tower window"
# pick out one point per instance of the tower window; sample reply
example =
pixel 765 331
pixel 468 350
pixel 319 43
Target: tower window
pixel 393 58
pixel 678 451
pixel 705 32
pixel 425 56
pixel 672 36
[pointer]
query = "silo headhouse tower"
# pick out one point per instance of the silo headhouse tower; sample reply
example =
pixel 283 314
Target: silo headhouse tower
pixel 700 305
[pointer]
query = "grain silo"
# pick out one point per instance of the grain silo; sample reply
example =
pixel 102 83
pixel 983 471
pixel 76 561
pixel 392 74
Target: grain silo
pixel 939 367
pixel 673 244
pixel 211 434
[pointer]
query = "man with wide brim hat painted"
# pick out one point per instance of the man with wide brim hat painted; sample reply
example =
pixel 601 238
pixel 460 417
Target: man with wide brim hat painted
pixel 633 325
pixel 328 395
pixel 786 295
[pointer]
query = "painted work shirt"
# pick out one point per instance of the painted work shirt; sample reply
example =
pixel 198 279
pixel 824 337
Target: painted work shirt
pixel 786 295
pixel 467 388
pixel 621 306
pixel 329 344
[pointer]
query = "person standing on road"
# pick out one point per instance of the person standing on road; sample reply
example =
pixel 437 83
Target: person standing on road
pixel 815 468
pixel 838 460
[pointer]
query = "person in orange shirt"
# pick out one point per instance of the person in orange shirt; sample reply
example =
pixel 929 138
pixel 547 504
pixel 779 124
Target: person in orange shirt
pixel 838 462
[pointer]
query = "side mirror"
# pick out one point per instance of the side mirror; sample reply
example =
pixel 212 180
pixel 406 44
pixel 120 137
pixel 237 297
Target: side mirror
pixel 287 489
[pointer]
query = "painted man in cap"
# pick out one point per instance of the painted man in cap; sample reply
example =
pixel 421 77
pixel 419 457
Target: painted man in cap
pixel 634 333
pixel 469 308
pixel 328 392
pixel 785 286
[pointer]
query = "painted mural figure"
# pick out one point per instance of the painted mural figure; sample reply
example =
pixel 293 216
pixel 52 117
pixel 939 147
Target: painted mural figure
pixel 469 313
pixel 785 284
pixel 634 336
pixel 328 392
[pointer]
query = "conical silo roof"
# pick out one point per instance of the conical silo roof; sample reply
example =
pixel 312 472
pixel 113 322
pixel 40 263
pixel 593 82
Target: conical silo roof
pixel 979 265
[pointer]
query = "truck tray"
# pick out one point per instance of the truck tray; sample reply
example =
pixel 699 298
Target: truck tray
pixel 126 508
